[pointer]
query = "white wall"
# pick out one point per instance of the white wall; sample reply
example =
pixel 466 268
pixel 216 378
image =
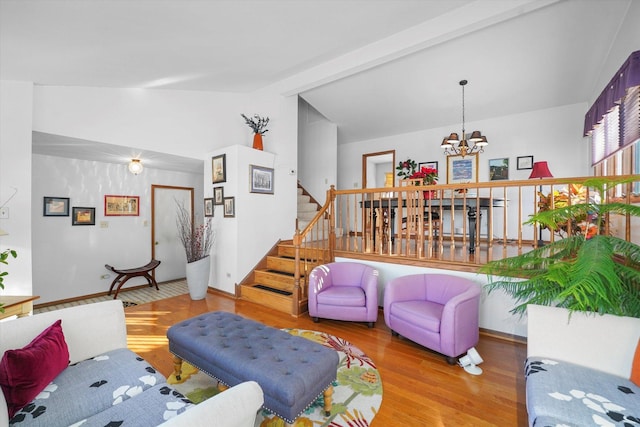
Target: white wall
pixel 317 159
pixel 68 261
pixel 15 183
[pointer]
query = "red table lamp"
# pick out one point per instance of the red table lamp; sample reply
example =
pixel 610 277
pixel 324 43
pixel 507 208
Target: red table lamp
pixel 540 170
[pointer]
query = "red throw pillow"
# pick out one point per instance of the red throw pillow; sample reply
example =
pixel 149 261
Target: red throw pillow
pixel 24 373
pixel 635 367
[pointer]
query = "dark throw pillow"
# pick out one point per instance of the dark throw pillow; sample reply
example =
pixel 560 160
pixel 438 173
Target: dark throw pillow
pixel 24 373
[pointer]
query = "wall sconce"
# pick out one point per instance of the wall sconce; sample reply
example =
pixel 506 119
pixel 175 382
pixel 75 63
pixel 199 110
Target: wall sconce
pixel 470 361
pixel 3 233
pixel 135 166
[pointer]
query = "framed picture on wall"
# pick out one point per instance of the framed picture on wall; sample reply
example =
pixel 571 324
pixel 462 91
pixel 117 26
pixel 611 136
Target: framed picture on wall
pixel 208 207
pixel 218 195
pixel 499 169
pixel 83 216
pixel 524 162
pixel 55 206
pixel 229 207
pixel 219 169
pixel 261 179
pixel 121 205
pixel 461 170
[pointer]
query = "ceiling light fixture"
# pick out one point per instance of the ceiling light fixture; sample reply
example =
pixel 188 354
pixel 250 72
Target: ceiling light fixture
pixel 452 144
pixel 135 166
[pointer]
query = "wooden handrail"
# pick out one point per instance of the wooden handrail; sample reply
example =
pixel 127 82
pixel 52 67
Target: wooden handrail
pixel 368 223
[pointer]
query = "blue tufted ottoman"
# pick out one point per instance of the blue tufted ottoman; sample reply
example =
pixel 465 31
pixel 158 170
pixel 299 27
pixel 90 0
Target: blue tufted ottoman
pixel 292 371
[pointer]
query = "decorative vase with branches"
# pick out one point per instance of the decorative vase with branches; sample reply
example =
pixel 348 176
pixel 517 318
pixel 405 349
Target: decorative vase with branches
pixel 259 126
pixel 586 271
pixel 197 240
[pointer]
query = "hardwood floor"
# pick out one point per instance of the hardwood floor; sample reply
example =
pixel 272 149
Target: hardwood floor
pixel 419 387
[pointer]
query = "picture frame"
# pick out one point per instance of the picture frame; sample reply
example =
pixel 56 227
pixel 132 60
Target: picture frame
pixel 462 170
pixel 261 179
pixel 433 165
pixel 499 169
pixel 218 195
pixel 524 162
pixel 83 216
pixel 55 206
pixel 229 207
pixel 219 168
pixel 121 205
pixel 208 207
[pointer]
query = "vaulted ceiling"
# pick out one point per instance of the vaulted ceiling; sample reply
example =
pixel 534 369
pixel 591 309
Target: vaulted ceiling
pixel 375 68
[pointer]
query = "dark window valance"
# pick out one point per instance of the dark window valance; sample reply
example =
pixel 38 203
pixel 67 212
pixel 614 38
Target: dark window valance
pixel 626 77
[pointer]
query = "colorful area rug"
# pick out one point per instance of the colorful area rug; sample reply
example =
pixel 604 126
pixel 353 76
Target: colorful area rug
pixel 357 390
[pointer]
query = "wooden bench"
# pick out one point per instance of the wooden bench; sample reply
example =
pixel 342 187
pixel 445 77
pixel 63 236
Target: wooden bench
pixel 124 275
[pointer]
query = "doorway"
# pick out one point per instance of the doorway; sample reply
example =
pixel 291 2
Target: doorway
pixel 165 244
pixel 375 166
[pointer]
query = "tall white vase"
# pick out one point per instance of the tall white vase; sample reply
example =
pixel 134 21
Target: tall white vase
pixel 198 278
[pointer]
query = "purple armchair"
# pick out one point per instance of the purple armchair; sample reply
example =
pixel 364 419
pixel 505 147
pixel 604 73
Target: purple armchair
pixel 438 311
pixel 344 291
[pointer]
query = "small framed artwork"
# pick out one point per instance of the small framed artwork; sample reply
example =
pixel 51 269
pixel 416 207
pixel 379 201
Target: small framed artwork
pixel 499 169
pixel 218 195
pixel 121 205
pixel 219 168
pixel 83 216
pixel 432 165
pixel 462 170
pixel 55 206
pixel 229 207
pixel 524 162
pixel 208 207
pixel 261 179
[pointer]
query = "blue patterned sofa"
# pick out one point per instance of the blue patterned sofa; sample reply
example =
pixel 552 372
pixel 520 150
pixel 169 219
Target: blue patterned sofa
pixel 578 368
pixel 105 384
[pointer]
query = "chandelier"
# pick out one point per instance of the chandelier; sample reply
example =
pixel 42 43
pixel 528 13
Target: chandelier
pixel 453 146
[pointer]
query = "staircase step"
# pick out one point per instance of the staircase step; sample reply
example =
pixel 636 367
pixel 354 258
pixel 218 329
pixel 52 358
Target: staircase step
pixel 303 198
pixel 310 254
pixel 275 279
pixel 273 300
pixel 307 207
pixel 281 264
pixel 307 215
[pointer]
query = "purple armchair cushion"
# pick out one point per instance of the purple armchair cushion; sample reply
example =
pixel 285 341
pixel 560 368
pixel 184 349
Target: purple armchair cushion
pixel 342 295
pixel 424 313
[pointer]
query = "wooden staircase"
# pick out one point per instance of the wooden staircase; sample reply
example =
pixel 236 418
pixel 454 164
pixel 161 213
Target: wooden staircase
pixel 272 283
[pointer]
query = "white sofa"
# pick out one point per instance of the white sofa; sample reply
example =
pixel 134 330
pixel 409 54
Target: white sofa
pixel 578 368
pixel 94 329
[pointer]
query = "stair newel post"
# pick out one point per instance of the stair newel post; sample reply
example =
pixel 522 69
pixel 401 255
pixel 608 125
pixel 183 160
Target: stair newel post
pixel 331 196
pixel 296 273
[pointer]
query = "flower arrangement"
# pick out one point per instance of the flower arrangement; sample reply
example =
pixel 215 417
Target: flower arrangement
pixel 428 175
pixel 406 169
pixel 257 123
pixel 196 240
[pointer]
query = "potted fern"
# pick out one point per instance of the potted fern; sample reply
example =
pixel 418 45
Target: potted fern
pixel 588 271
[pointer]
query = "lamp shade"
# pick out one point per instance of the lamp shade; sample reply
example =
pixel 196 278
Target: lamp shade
pixel 540 170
